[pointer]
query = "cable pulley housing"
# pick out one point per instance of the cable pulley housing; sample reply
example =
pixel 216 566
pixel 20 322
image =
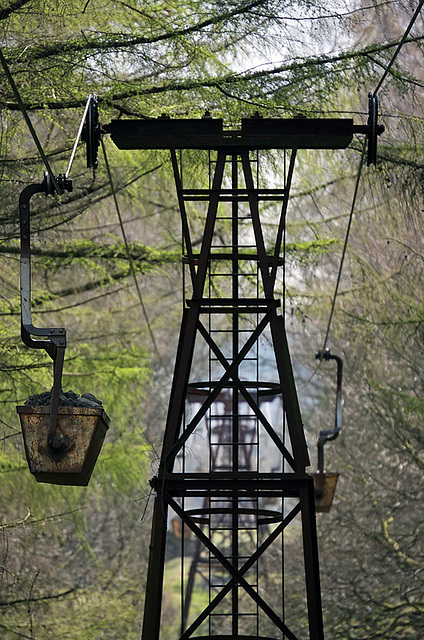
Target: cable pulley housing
pixel 91 132
pixel 374 129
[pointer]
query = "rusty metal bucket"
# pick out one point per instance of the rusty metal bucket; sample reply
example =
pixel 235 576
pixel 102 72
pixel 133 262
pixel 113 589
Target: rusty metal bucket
pixel 85 429
pixel 325 488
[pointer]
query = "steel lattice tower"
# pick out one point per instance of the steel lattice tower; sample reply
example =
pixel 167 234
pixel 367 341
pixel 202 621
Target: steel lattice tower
pixel 241 516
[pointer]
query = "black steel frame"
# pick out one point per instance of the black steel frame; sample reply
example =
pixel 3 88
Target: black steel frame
pixel 174 490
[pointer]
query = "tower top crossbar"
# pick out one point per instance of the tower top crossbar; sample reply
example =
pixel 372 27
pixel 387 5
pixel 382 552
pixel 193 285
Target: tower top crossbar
pixel 254 133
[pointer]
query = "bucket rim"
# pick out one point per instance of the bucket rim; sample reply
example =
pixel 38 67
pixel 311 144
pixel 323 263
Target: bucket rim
pixel 76 411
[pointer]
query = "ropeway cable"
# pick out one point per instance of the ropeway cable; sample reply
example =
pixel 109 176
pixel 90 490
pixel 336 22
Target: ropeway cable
pixel 130 260
pixel 352 209
pixel 361 163
pixel 18 98
pixel 400 45
pixel 59 190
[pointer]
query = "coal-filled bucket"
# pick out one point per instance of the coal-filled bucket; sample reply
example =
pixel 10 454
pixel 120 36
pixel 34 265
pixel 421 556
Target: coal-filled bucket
pixel 83 428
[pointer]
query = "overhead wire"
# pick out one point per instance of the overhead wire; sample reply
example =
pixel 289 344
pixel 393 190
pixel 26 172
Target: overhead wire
pixel 349 224
pixel 59 190
pixel 361 163
pixel 400 45
pixel 33 133
pixel 127 248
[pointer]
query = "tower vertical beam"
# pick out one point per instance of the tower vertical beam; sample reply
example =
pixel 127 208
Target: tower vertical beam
pixel 289 393
pixel 155 571
pixel 310 547
pixel 235 399
pixel 189 327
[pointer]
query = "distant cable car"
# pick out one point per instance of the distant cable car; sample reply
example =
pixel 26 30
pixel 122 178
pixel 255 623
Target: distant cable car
pixel 326 482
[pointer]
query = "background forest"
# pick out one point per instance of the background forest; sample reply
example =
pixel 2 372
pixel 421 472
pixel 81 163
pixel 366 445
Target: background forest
pixel 73 560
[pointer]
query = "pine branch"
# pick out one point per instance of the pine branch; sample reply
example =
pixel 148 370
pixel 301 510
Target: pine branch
pixel 93 285
pixel 86 249
pixel 121 41
pixel 227 80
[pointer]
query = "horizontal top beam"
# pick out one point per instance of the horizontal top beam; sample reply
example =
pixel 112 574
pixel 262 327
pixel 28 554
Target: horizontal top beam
pixel 254 133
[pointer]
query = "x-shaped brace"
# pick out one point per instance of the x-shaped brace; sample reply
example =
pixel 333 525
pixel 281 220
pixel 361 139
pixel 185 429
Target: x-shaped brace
pixel 237 574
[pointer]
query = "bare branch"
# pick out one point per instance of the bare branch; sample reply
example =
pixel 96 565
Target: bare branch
pixel 15 6
pixel 17 633
pixel 54 596
pixel 12 525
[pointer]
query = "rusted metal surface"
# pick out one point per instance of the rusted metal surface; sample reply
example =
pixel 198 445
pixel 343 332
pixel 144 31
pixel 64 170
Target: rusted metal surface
pixel 325 489
pixel 61 443
pixel 84 429
pixel 67 452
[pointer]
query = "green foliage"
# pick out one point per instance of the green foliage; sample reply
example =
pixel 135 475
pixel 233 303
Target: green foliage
pixel 72 559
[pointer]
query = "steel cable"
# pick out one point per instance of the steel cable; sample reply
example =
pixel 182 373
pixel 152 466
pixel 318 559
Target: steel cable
pixel 127 248
pixel 33 133
pixel 399 47
pixel 349 224
pixel 361 163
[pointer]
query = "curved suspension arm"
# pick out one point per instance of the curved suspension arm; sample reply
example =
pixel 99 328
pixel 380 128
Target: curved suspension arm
pixel 331 434
pixel 54 341
pixel 55 336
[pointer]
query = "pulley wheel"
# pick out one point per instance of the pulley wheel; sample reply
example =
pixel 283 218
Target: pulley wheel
pixel 91 133
pixel 374 129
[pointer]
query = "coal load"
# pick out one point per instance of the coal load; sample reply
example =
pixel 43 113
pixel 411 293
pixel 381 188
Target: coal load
pixel 66 399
